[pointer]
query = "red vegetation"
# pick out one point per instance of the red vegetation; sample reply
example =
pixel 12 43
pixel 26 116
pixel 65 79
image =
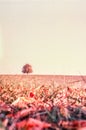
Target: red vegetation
pixel 30 106
pixel 27 68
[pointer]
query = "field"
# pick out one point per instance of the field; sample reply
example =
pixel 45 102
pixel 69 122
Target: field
pixel 42 102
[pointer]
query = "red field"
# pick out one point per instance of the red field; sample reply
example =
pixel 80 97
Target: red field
pixel 30 80
pixel 42 102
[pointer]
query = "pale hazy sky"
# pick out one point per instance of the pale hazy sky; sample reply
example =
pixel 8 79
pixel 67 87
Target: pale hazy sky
pixel 48 34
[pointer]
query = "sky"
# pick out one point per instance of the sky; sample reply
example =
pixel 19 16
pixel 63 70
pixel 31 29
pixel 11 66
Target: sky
pixel 48 34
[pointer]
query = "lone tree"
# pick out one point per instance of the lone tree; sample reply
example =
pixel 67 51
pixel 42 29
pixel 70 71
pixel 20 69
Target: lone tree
pixel 27 68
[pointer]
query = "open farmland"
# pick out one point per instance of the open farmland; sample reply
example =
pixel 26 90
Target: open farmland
pixel 43 102
pixel 30 80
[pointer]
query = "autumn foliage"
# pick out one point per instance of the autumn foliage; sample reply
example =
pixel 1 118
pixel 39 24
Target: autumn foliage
pixel 25 106
pixel 27 68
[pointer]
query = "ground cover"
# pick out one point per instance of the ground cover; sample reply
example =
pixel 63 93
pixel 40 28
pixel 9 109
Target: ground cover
pixel 42 102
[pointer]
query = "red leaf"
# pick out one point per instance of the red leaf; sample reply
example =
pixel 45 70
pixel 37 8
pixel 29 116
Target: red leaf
pixel 31 95
pixel 32 123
